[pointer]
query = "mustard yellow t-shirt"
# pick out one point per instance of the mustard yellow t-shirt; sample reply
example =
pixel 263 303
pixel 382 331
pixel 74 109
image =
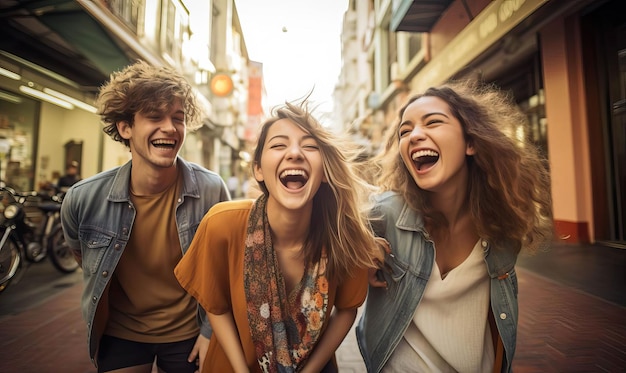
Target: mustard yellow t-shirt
pixel 146 302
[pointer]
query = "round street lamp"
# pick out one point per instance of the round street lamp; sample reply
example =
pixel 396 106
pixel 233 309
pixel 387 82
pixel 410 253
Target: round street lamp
pixel 221 85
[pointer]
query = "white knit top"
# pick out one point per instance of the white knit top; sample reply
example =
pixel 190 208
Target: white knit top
pixel 450 331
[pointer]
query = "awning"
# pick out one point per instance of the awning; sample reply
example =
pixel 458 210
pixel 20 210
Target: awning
pixel 417 15
pixel 89 38
pixel 62 37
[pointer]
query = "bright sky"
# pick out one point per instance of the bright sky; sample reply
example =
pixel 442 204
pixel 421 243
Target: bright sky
pixel 307 56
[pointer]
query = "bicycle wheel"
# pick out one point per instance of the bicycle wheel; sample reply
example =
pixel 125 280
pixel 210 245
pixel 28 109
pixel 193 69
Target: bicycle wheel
pixel 60 252
pixel 10 260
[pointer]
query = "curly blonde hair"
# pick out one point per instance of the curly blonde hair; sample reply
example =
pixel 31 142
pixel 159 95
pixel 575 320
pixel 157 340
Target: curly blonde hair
pixel 143 88
pixel 509 183
pixel 339 221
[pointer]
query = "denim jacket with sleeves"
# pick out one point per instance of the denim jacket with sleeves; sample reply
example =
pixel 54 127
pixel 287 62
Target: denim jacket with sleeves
pixel 388 312
pixel 97 217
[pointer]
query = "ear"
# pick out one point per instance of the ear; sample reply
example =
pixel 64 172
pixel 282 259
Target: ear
pixel 258 173
pixel 124 129
pixel 469 149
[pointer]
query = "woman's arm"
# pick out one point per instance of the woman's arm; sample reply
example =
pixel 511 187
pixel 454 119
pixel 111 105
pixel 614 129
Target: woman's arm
pixel 338 326
pixel 225 332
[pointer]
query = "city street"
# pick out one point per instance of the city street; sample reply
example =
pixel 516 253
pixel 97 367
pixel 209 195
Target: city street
pixel 572 317
pixel 67 89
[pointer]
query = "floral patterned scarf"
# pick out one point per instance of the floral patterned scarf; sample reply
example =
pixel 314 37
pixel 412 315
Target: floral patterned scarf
pixel 284 330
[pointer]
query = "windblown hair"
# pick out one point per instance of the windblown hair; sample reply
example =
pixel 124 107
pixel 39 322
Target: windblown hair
pixel 339 218
pixel 509 184
pixel 142 88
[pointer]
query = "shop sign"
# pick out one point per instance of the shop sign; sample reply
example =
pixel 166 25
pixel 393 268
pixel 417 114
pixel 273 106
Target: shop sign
pixel 495 21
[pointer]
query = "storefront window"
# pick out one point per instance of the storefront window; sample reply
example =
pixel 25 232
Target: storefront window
pixel 525 82
pixel 537 131
pixel 18 118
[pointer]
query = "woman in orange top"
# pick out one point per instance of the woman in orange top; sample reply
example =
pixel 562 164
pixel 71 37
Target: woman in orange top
pixel 269 272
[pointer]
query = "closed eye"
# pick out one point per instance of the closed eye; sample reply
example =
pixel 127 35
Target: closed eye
pixel 404 130
pixel 433 121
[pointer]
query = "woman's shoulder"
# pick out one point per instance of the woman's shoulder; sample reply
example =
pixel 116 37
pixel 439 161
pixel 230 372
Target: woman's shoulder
pixel 388 203
pixel 235 206
pixel 226 219
pixel 391 209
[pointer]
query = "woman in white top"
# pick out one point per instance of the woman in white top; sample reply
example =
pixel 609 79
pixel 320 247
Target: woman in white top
pixel 460 200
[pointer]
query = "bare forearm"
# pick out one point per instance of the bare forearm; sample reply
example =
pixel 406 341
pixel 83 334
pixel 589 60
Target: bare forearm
pixel 338 326
pixel 225 331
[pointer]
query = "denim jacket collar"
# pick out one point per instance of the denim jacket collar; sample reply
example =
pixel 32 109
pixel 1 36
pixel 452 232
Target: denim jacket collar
pixel 410 220
pixel 120 190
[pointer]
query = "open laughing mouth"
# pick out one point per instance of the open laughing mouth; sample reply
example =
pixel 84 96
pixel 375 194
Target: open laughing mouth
pixel 425 159
pixel 294 179
pixel 164 144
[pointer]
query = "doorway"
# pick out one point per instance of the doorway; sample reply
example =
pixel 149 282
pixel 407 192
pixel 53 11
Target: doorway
pixel 607 98
pixel 74 153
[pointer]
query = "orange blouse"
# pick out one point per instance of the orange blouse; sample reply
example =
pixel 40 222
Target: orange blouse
pixel 212 272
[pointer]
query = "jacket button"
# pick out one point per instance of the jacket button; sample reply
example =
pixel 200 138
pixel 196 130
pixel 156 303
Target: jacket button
pixel 105 274
pixel 503 316
pixel 94 299
pixel 118 246
pixel 483 243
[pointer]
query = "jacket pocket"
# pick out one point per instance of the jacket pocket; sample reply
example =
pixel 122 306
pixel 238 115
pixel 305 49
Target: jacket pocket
pixel 94 245
pixel 393 269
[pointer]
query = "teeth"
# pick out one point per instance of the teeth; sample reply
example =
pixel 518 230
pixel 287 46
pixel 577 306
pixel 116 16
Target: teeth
pixel 164 142
pixel 424 153
pixel 292 173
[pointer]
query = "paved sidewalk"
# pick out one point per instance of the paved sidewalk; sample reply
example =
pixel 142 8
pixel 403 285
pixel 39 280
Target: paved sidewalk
pixel 49 338
pixel 561 329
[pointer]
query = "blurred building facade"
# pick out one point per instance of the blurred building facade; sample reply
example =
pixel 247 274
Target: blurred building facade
pixel 564 62
pixel 55 54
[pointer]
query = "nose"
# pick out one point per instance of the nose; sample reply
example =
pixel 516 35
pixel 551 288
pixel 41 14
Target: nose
pixel 168 125
pixel 417 134
pixel 294 152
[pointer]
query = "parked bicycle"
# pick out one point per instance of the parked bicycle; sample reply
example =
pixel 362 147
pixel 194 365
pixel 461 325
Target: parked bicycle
pixel 30 230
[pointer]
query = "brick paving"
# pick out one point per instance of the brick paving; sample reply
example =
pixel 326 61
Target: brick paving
pixel 561 329
pixel 49 338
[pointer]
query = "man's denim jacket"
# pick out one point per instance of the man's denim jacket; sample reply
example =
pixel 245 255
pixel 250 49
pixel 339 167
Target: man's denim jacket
pixel 388 312
pixel 97 217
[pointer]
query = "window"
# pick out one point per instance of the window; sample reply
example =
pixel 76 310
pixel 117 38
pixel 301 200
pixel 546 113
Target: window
pixel 129 11
pixel 19 116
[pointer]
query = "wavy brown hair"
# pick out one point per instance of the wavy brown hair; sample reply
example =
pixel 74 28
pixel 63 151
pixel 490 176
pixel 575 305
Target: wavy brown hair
pixel 339 219
pixel 143 88
pixel 509 184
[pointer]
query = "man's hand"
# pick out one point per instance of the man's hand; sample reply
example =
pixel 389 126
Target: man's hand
pixel 375 275
pixel 376 279
pixel 198 353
